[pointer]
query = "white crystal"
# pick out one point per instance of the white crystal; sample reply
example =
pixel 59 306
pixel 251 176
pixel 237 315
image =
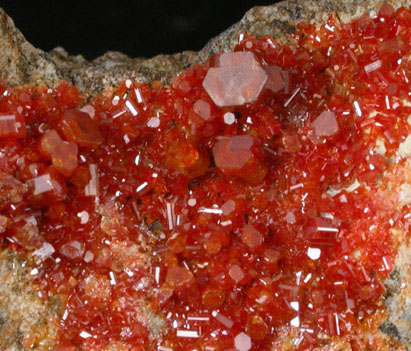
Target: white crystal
pixel 314 253
pixel 85 335
pixel 92 188
pixel 295 322
pixel 44 252
pixel 187 333
pixel 84 217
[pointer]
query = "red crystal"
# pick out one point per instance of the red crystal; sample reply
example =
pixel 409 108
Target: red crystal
pixel 46 189
pixel 79 128
pixel 240 157
pixel 12 125
pixel 253 198
pixel 11 190
pixel 63 154
pixel 251 236
pixel 178 277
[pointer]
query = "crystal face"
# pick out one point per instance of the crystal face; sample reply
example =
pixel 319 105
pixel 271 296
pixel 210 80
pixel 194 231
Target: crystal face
pixel 250 205
pixel 238 80
pixel 326 124
pixel 79 128
pixel 62 153
pixel 12 125
pixel 240 157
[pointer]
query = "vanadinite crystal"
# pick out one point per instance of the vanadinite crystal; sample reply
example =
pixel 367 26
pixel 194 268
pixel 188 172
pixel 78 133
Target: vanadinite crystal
pixel 249 204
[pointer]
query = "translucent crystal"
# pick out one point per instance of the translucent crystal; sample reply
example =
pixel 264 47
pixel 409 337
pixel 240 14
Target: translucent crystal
pixel 251 236
pixel 187 159
pixel 73 249
pixel 44 252
pixel 203 109
pixel 236 273
pixel 326 124
pixel 79 128
pixel 12 125
pixel 275 81
pixel 213 297
pixel 239 79
pixel 63 154
pixel 239 157
pixel 179 277
pixel 50 142
pixel 242 342
pixel 65 158
pixel 256 328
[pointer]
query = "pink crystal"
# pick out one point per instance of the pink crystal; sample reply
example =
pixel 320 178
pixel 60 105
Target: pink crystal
pixel 251 236
pixel 236 273
pixel 73 249
pixel 242 342
pixel 239 154
pixel 275 81
pixel 228 207
pixel 202 109
pixel 42 184
pixel 326 124
pixel 238 81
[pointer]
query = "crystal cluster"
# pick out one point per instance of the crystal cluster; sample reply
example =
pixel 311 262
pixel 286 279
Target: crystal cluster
pixel 253 198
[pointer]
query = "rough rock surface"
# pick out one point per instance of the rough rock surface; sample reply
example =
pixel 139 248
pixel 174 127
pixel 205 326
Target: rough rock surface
pixel 22 313
pixel 24 318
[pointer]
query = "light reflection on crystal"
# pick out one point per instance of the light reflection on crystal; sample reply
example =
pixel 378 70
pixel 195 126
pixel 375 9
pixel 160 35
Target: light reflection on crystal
pixel 314 253
pixel 295 322
pixel 357 108
pixel 294 94
pixel 42 184
pixel 92 189
pixel 187 333
pixel 229 118
pixel 228 323
pixel 373 66
pixel 85 335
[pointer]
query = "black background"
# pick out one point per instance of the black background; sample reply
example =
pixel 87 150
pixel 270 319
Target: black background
pixel 136 28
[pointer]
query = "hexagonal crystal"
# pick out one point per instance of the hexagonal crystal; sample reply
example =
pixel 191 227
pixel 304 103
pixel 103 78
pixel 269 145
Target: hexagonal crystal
pixel 238 81
pixel 326 124
pixel 242 342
